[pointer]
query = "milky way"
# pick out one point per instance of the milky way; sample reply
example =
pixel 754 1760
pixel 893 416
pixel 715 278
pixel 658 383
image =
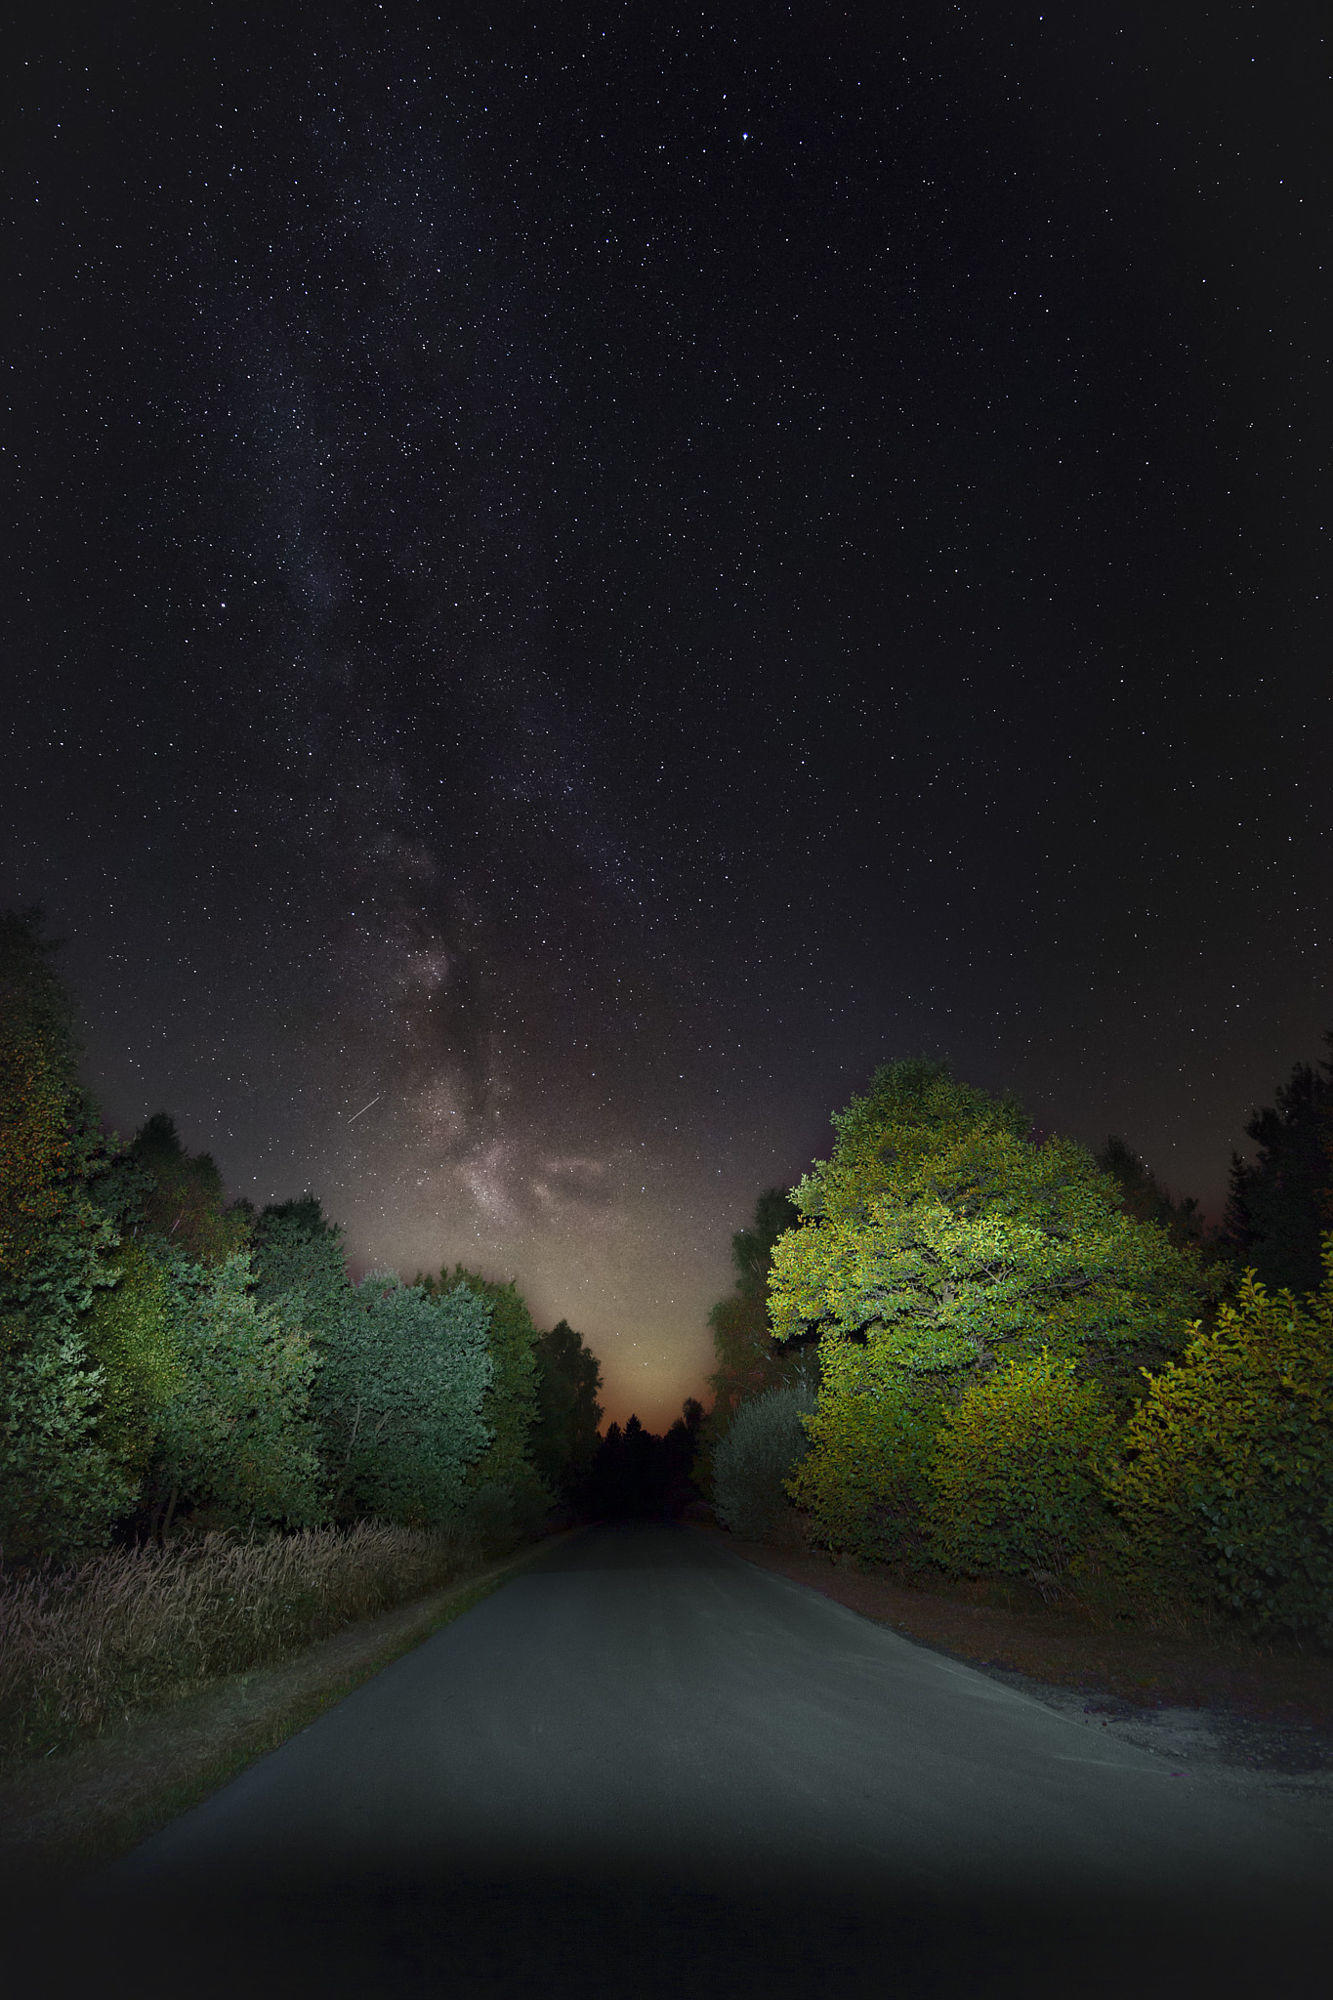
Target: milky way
pixel 576 586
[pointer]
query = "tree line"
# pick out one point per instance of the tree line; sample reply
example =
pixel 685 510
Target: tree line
pixel 170 1358
pixel 965 1348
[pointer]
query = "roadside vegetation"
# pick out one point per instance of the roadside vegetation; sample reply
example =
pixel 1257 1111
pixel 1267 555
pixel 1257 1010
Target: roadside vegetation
pixel 87 1644
pixel 1033 1373
pixel 214 1446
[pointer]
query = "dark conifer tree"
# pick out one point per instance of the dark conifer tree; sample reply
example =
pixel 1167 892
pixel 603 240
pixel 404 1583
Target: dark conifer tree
pixel 1281 1202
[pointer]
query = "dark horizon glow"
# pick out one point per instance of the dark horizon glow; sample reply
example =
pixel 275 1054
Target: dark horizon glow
pixel 577 586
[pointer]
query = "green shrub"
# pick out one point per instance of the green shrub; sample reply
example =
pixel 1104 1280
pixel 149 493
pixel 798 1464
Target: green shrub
pixel 500 1513
pixel 1225 1484
pixel 1014 1472
pixel 763 1445
pixel 871 1435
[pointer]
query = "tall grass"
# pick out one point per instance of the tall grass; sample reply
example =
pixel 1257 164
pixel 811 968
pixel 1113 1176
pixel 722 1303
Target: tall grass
pixel 80 1647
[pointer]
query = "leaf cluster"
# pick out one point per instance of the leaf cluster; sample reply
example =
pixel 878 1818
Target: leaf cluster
pixel 1226 1476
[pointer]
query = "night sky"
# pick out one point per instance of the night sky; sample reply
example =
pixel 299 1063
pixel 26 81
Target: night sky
pixel 575 578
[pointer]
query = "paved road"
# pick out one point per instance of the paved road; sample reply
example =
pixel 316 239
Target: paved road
pixel 645 1767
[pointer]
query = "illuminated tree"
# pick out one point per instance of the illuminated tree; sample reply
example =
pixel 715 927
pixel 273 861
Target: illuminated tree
pixel 235 1434
pixel 509 1408
pixel 939 1239
pixel 41 1106
pixel 398 1397
pixel 1225 1480
pixel 59 1488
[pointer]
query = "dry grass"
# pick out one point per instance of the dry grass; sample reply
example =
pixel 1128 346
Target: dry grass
pixel 84 1647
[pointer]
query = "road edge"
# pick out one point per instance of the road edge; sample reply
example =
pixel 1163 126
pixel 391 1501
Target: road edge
pixel 65 1818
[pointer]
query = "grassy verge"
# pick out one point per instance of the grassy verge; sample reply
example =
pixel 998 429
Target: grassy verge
pixel 64 1813
pixel 83 1647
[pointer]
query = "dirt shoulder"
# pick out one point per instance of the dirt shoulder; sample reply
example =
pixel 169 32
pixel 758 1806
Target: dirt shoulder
pixel 1253 1716
pixel 64 1815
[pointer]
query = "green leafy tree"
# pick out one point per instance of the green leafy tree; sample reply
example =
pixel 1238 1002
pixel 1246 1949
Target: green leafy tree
pixel 748 1358
pixel 564 1435
pixel 1225 1480
pixel 184 1202
pixel 937 1240
pixel 1282 1200
pixel 300 1264
pixel 236 1439
pixel 509 1408
pixel 42 1113
pixel 59 1488
pixel 129 1339
pixel 399 1399
pixel 1015 1472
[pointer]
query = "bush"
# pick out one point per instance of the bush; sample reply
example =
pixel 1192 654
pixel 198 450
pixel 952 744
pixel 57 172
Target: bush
pixel 1225 1485
pixel 500 1514
pixel 763 1446
pixel 872 1431
pixel 1014 1472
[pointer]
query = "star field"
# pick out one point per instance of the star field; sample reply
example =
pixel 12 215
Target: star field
pixel 578 580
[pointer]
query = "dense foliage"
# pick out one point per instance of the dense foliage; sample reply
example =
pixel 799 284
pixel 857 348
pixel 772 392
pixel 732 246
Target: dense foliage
pixel 1040 1366
pixel 763 1446
pixel 1226 1481
pixel 60 1487
pixel 749 1359
pixel 235 1436
pixel 399 1399
pixel 564 1436
pixel 938 1241
pixel 1014 1472
pixel 509 1405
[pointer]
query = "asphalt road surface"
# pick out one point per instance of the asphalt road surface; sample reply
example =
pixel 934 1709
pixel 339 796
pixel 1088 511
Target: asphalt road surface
pixel 644 1767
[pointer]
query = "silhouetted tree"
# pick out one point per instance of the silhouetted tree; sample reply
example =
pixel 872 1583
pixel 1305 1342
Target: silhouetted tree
pixel 1143 1196
pixel 680 1448
pixel 1281 1200
pixel 749 1359
pixel 629 1475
